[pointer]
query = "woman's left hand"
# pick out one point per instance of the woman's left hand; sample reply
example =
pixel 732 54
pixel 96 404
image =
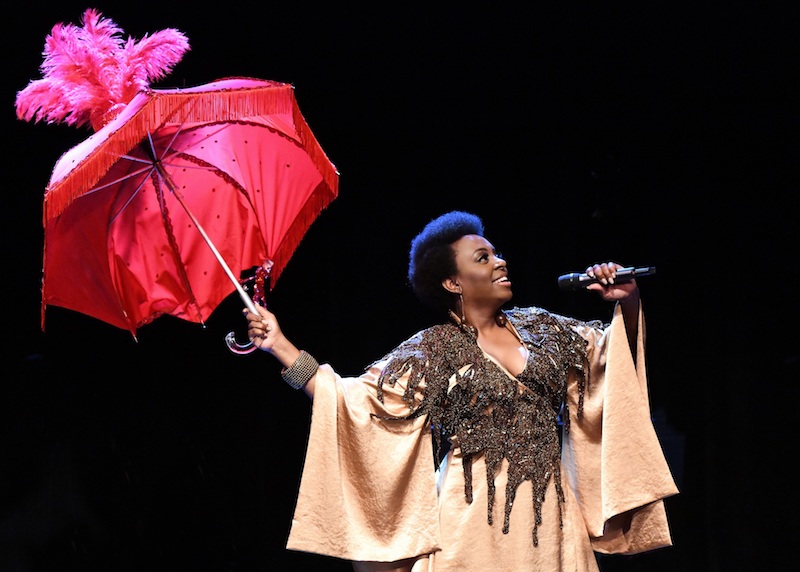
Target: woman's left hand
pixel 606 273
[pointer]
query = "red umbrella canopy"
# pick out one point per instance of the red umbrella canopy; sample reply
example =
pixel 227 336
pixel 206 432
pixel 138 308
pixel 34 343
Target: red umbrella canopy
pixel 161 209
pixel 236 155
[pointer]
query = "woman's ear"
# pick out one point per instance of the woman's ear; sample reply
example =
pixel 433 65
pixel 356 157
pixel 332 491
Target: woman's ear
pixel 451 285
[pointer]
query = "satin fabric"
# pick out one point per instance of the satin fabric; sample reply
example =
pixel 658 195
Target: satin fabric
pixel 369 492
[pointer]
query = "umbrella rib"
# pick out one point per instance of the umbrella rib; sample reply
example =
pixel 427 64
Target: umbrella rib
pixel 175 135
pixel 134 193
pixel 146 171
pixel 206 135
pixel 188 166
pixel 168 148
pixel 130 175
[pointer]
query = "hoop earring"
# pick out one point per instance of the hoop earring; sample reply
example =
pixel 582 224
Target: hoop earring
pixel 464 323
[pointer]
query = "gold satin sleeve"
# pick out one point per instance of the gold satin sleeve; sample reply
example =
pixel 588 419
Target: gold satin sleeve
pixel 368 488
pixel 612 455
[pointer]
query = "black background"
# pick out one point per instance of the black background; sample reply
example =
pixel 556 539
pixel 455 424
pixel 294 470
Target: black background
pixel 649 133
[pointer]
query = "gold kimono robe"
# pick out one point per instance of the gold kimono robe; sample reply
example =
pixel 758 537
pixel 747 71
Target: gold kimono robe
pixel 371 491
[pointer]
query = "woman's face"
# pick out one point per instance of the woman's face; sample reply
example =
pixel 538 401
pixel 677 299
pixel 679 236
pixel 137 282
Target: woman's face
pixel 482 275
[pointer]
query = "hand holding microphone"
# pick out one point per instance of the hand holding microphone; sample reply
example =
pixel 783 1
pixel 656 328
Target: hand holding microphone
pixel 611 280
pixel 577 281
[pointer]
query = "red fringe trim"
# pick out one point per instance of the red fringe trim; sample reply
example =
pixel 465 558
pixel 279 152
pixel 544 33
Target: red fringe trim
pixel 322 196
pixel 316 203
pixel 329 173
pixel 44 285
pixel 175 106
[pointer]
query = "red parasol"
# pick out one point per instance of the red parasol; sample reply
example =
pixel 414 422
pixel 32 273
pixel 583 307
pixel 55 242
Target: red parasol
pixel 154 212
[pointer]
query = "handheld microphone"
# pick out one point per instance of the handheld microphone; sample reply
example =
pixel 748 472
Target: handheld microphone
pixel 576 280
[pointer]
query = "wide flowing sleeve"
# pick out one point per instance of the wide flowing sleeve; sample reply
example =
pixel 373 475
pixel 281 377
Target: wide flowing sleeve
pixel 612 455
pixel 368 488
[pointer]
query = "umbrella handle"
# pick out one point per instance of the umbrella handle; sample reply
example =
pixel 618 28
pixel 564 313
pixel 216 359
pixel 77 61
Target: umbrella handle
pixel 236 347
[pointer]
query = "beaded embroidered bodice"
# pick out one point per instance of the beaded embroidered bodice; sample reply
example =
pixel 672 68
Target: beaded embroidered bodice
pixel 482 410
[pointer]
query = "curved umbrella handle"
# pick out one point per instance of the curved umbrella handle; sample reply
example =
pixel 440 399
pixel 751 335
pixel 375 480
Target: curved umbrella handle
pixel 236 347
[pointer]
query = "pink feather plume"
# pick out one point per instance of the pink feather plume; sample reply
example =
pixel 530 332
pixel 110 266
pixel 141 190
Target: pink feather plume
pixel 89 70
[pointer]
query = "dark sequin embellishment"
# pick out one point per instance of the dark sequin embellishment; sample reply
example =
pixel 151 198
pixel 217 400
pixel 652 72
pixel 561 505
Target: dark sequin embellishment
pixel 489 413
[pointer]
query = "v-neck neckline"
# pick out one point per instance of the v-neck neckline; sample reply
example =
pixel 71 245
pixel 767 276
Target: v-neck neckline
pixel 510 326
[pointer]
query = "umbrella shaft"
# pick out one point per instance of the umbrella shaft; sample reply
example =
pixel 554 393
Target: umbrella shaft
pixel 173 189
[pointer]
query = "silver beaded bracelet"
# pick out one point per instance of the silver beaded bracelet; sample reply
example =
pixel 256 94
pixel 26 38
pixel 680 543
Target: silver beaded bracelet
pixel 301 371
